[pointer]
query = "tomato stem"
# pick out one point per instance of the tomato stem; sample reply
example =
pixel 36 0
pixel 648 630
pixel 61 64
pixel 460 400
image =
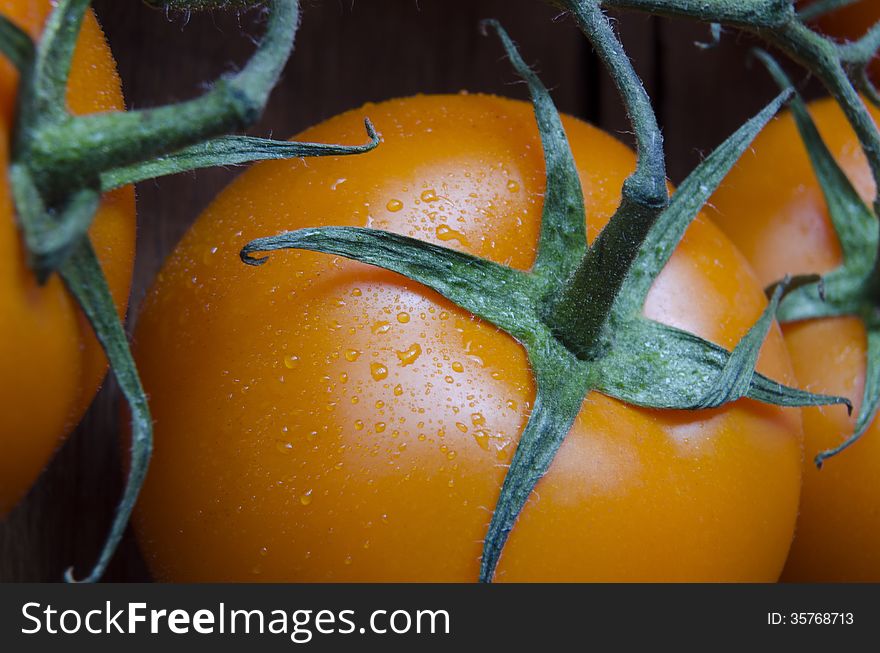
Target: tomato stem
pixel 647 185
pixel 777 23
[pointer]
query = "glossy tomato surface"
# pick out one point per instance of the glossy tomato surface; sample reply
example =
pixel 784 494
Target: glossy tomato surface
pixel 51 363
pixel 321 420
pixel 772 207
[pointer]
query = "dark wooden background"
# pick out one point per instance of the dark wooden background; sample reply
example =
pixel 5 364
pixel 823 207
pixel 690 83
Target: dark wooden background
pixel 349 52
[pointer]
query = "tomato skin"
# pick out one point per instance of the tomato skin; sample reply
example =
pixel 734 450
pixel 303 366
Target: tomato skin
pixel 772 207
pixel 321 420
pixel 52 364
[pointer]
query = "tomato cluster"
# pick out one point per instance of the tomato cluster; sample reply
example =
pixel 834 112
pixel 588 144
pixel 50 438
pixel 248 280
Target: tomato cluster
pixel 320 419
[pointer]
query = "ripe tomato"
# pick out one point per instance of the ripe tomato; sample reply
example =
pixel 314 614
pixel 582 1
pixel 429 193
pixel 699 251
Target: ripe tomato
pixel 321 420
pixel 772 207
pixel 851 23
pixel 51 363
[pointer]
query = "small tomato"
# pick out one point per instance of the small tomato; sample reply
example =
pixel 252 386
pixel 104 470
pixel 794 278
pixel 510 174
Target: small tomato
pixel 52 364
pixel 772 207
pixel 318 419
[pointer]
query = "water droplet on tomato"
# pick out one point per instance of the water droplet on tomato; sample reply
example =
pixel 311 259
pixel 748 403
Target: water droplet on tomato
pixel 482 439
pixel 378 371
pixel 445 232
pixel 351 355
pixel 410 355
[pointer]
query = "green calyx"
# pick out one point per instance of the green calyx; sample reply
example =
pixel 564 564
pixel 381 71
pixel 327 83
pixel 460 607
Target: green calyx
pixel 853 288
pixel 61 164
pixel 578 312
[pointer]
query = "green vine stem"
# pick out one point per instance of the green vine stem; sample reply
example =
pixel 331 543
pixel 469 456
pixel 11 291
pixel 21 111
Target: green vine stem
pixel 640 361
pixel 822 7
pixel 854 288
pixel 61 164
pixel 778 23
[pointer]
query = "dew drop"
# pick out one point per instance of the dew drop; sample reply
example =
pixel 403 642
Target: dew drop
pixel 351 355
pixel 394 205
pixel 403 318
pixel 410 355
pixel 283 446
pixel 306 497
pixel 378 371
pixel 445 232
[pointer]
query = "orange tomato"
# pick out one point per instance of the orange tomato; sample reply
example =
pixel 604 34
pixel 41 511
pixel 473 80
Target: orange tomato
pixel 321 420
pixel 772 207
pixel 52 364
pixel 851 23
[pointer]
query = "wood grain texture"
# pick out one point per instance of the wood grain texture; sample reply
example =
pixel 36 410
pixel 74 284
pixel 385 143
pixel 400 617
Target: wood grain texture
pixel 349 52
